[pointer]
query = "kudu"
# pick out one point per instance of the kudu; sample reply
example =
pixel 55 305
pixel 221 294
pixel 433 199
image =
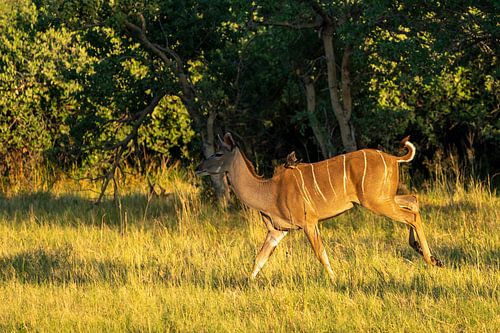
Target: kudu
pixel 301 194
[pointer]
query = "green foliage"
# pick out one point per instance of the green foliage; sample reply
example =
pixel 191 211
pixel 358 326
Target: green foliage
pixel 73 79
pixel 38 83
pixel 116 90
pixel 169 129
pixel 436 79
pixel 422 68
pixel 66 92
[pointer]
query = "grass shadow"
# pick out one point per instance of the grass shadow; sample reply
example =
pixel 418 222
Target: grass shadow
pixel 59 266
pixel 73 210
pixel 456 257
pixel 450 208
pixel 459 257
pixel 418 285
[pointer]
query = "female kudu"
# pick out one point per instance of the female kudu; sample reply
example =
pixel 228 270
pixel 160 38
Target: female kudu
pixel 299 196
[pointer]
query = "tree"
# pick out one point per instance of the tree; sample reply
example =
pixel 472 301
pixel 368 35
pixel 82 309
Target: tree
pixel 327 20
pixel 111 82
pixel 39 87
pixel 173 49
pixel 437 66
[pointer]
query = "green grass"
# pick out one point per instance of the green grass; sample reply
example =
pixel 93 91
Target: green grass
pixel 179 264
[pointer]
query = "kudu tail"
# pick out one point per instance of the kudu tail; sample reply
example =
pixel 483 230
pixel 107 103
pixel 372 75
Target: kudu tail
pixel 411 150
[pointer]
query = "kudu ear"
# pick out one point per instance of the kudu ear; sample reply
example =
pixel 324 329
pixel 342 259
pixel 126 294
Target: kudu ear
pixel 222 143
pixel 229 142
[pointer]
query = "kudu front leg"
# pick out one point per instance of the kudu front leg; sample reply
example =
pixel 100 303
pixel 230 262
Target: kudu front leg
pixel 312 233
pixel 272 240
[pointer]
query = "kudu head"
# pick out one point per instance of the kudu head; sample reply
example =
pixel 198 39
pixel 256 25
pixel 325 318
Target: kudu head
pixel 219 162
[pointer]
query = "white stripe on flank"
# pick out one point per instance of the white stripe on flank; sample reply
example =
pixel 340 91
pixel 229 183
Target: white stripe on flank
pixel 303 196
pixel 385 166
pixel 306 195
pixel 316 183
pixel 304 187
pixel 345 176
pixel 364 174
pixel 330 179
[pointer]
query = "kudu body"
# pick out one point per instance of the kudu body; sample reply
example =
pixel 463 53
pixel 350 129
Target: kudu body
pixel 300 195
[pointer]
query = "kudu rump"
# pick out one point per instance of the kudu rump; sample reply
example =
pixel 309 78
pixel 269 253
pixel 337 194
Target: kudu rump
pixel 301 194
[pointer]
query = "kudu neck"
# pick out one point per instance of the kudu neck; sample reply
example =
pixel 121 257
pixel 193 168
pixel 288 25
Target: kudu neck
pixel 251 189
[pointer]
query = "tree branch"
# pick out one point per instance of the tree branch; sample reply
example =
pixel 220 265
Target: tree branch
pixel 325 18
pixel 110 174
pixel 145 41
pixel 188 91
pixel 121 146
pixel 296 26
pixel 138 122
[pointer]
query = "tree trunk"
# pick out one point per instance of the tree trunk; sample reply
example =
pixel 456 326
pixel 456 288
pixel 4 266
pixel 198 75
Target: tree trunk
pixel 323 139
pixel 219 182
pixel 346 91
pixel 205 127
pixel 206 130
pixel 342 114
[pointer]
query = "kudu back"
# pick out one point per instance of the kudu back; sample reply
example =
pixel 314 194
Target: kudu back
pixel 301 194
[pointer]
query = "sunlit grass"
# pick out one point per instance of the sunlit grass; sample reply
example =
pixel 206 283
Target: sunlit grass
pixel 180 263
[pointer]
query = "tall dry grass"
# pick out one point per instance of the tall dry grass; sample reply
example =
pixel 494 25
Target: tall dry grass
pixel 180 263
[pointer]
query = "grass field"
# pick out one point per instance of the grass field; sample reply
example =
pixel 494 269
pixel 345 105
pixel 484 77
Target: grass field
pixel 180 264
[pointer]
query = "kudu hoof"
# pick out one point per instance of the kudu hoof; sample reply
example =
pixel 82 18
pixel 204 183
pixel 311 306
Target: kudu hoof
pixel 436 262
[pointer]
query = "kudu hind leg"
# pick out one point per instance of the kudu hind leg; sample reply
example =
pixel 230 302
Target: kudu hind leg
pixel 423 246
pixel 393 210
pixel 414 243
pixel 410 202
pixel 272 240
pixel 312 233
